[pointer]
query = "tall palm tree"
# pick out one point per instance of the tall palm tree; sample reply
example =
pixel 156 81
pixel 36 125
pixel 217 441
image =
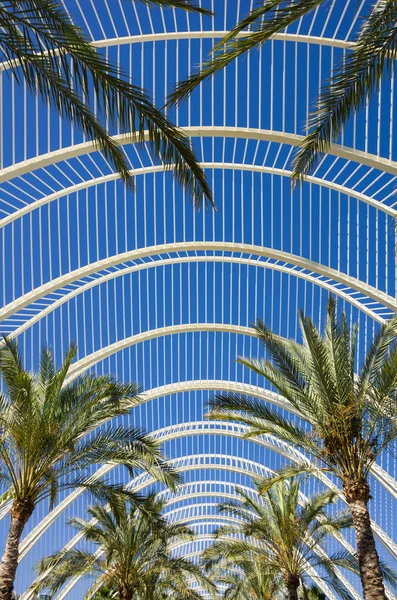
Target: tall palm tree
pixel 351 83
pixel 133 555
pixel 42 47
pixel 282 536
pixel 44 448
pixel 352 418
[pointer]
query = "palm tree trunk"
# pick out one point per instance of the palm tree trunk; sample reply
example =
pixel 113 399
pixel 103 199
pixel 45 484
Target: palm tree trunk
pixel 357 493
pixel 292 583
pixel 125 593
pixel 20 513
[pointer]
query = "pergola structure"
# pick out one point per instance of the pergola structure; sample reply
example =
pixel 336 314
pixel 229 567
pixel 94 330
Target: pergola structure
pixel 155 292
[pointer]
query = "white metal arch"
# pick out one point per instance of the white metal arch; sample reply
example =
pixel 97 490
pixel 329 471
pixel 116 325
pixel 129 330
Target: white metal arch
pixel 219 519
pixel 206 34
pixel 191 429
pixel 356 156
pixel 365 298
pixel 203 539
pixel 331 185
pixel 189 463
pixel 72 276
pixel 140 482
pixel 195 259
pixel 211 34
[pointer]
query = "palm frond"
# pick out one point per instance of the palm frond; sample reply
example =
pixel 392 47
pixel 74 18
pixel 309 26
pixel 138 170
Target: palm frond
pixel 43 48
pixel 350 86
pixel 260 419
pixel 266 20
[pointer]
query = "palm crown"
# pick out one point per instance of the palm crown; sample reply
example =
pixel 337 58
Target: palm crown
pixel 42 47
pixel 45 446
pixel 350 419
pixel 281 534
pixel 133 557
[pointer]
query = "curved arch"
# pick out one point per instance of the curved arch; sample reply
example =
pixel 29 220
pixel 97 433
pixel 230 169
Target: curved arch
pixel 194 259
pixel 44 160
pixel 218 518
pixel 205 34
pixel 207 538
pixel 141 481
pixel 189 429
pixel 208 34
pixel 240 465
pixel 336 187
pixel 304 263
pixel 145 480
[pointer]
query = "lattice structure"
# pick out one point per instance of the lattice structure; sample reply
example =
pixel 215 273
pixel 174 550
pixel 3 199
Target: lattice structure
pixel 156 293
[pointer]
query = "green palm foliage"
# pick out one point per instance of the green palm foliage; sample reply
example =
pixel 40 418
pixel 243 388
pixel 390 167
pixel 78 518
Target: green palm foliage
pixel 133 558
pixel 52 433
pixel 350 85
pixel 44 49
pixel 250 579
pixel 277 534
pixel 312 593
pixel 350 418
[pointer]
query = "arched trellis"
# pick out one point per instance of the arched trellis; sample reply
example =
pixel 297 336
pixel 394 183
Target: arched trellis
pixel 371 165
pixel 73 276
pixel 306 276
pixel 43 160
pixel 331 185
pixel 191 429
pixel 381 475
pixel 168 514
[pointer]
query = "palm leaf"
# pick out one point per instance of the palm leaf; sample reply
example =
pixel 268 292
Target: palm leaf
pixel 43 48
pixel 267 20
pixel 351 85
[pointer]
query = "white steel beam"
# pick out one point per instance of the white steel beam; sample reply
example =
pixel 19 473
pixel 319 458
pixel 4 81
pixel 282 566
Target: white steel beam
pixel 56 156
pixel 195 259
pixel 78 187
pixel 68 278
pixel 201 35
pixel 191 429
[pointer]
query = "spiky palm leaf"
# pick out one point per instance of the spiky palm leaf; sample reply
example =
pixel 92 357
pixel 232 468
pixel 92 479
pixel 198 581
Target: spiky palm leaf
pixel 42 47
pixel 250 580
pixel 350 418
pixel 52 434
pixel 132 557
pixel 264 21
pixel 351 84
pixel 280 534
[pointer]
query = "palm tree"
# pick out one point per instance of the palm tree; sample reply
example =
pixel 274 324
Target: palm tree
pixel 352 418
pixel 350 85
pixel 282 536
pixel 133 557
pixel 43 443
pixel 43 48
pixel 251 580
pixel 173 581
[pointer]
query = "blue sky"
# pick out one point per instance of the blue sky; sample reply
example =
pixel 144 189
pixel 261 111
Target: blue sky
pixel 279 244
